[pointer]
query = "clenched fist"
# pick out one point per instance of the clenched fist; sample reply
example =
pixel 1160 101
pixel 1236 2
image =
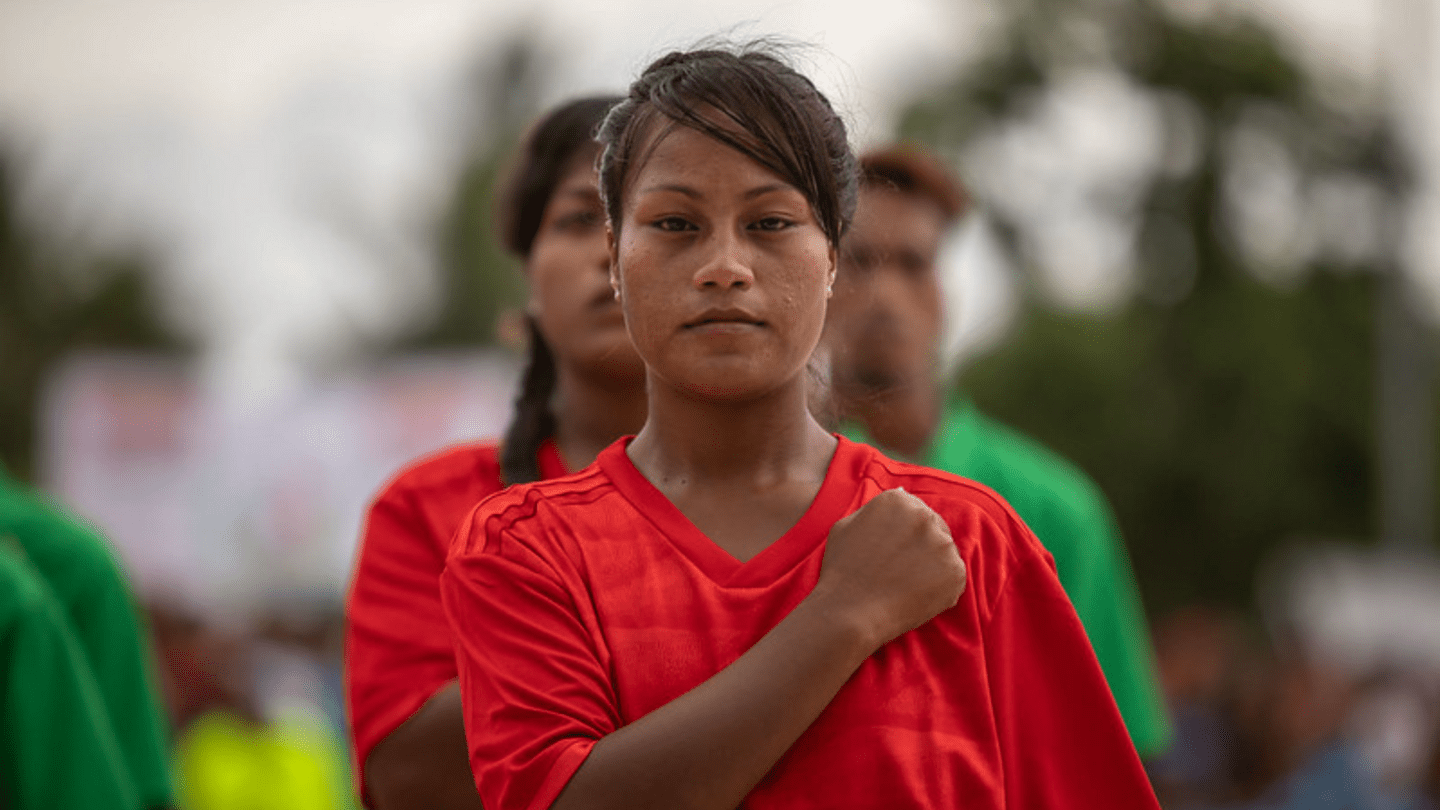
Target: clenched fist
pixel 890 567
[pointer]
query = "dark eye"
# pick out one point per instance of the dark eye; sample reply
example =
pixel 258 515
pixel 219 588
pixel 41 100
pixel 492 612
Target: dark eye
pixel 916 266
pixel 578 219
pixel 673 224
pixel 772 224
pixel 860 261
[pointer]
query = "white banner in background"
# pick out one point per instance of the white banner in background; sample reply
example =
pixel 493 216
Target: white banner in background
pixel 225 506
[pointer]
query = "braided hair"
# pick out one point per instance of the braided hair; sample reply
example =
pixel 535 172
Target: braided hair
pixel 544 158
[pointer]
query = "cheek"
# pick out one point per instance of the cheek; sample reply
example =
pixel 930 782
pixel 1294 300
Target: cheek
pixel 644 311
pixel 811 296
pixel 930 302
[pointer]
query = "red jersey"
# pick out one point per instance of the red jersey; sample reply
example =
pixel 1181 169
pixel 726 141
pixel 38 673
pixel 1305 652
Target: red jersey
pixel 581 604
pixel 398 651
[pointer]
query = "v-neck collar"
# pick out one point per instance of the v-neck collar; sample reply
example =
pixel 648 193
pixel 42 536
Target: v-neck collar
pixel 830 504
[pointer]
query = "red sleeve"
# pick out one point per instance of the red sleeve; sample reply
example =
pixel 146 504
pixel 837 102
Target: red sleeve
pixel 534 676
pixel 397 644
pixel 1062 741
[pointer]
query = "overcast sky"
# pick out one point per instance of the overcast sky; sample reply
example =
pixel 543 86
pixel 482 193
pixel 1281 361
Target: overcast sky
pixel 284 160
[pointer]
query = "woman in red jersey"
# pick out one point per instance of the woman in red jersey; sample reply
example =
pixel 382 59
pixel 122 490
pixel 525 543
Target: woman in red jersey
pixel 582 388
pixel 735 607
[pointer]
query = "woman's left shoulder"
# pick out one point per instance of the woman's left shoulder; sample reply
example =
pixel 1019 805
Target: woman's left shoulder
pixel 945 492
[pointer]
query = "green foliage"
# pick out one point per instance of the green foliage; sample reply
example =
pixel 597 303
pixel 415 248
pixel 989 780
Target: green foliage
pixel 43 318
pixel 480 280
pixel 1220 413
pixel 1234 420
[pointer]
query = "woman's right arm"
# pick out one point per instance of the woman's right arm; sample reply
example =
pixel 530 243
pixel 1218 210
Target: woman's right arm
pixel 888 568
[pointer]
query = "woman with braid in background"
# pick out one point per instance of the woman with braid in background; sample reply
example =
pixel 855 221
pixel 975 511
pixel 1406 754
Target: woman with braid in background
pixel 583 387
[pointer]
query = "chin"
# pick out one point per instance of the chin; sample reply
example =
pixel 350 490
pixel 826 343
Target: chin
pixel 722 388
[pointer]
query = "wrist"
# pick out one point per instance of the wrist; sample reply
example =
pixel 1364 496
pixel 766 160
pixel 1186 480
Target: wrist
pixel 837 616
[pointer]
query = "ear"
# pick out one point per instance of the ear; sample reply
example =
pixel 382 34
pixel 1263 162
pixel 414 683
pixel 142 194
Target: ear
pixel 613 246
pixel 830 276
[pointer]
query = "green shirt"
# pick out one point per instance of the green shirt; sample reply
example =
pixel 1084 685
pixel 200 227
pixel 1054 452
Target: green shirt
pixel 86 580
pixel 57 749
pixel 1070 516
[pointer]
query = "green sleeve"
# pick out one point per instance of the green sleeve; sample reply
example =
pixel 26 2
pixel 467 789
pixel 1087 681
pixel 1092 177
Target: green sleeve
pixel 1096 575
pixel 59 752
pixel 87 580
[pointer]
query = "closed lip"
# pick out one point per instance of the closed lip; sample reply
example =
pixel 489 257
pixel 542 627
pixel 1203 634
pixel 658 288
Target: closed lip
pixel 726 315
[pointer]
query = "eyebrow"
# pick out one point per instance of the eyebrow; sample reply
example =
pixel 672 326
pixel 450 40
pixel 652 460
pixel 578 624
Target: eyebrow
pixel 693 193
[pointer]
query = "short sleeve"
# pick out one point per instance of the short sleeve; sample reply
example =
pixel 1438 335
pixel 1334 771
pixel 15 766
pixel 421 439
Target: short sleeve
pixel 62 748
pixel 397 644
pixel 87 581
pixel 534 673
pixel 1102 587
pixel 1062 741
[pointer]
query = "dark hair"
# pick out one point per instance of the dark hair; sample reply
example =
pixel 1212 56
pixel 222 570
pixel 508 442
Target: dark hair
pixel 912 170
pixel 545 155
pixel 750 100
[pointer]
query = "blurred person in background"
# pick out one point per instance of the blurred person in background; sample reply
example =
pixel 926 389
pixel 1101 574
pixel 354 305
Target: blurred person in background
pixel 1204 662
pixel 1345 712
pixel 58 749
pixel 254 730
pixel 582 388
pixel 883 335
pixel 79 568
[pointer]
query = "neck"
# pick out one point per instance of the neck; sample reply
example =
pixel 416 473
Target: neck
pixel 589 416
pixel 901 418
pixel 688 441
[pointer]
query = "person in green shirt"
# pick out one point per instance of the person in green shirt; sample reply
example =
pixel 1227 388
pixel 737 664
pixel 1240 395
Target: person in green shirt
pixel 82 573
pixel 57 749
pixel 883 336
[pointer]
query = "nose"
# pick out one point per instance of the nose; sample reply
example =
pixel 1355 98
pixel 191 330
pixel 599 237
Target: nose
pixel 726 267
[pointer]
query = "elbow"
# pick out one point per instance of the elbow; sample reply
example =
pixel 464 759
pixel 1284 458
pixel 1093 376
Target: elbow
pixel 397 779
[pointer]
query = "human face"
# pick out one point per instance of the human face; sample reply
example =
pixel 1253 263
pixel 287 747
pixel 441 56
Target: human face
pixel 885 317
pixel 570 295
pixel 722 270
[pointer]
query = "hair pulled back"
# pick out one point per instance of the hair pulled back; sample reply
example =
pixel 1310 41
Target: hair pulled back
pixel 546 154
pixel 544 157
pixel 750 100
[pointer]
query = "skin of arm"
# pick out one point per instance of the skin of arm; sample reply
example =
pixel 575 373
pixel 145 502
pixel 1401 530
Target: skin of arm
pixel 422 763
pixel 888 568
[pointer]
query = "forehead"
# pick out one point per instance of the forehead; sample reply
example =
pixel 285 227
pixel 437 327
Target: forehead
pixel 894 220
pixel 675 156
pixel 579 170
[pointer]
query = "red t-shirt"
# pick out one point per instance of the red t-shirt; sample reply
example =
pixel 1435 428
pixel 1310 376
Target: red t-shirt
pixel 398 651
pixel 581 604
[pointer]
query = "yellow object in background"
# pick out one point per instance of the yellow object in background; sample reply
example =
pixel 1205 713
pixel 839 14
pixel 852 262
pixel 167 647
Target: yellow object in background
pixel 224 762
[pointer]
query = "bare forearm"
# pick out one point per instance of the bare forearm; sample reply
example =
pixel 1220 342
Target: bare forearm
pixel 711 746
pixel 424 761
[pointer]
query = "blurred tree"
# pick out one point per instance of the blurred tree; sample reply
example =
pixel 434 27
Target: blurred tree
pixel 46 313
pixel 1226 404
pixel 480 281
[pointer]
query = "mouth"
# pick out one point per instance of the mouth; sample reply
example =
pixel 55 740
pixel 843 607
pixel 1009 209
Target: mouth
pixel 724 317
